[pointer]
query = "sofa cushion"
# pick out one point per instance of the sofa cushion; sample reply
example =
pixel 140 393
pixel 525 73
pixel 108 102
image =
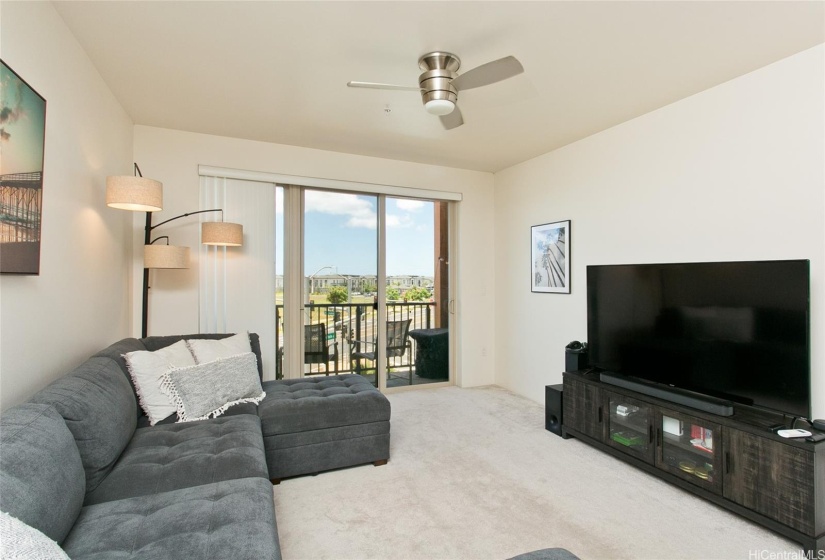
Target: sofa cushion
pixel 230 519
pixel 42 482
pixel 173 456
pixel 243 408
pixel 98 405
pixel 207 390
pixel 299 405
pixel 21 541
pixel 115 352
pixel 146 370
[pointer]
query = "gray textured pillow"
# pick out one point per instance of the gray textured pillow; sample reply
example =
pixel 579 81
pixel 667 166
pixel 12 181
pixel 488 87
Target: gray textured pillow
pixel 42 482
pixel 207 390
pixel 22 542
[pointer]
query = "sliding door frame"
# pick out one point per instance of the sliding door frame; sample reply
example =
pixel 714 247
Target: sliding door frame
pixel 293 247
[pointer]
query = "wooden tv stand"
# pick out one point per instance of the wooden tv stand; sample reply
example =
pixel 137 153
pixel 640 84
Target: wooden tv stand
pixel 735 462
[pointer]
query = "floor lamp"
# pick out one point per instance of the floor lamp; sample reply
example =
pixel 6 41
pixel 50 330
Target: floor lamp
pixel 139 194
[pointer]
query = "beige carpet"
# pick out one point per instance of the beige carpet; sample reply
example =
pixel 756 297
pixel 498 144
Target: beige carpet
pixel 473 474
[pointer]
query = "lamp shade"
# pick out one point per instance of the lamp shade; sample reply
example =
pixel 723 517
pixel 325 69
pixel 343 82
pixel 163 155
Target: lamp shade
pixel 134 193
pixel 222 233
pixel 165 256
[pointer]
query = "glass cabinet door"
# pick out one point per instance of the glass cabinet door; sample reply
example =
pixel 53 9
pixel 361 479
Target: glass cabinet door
pixel 630 426
pixel 689 448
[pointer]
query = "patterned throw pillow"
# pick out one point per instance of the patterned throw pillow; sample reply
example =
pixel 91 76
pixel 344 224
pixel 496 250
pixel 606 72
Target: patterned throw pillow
pixel 207 390
pixel 18 540
pixel 147 368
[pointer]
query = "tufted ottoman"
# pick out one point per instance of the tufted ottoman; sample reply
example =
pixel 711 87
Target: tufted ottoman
pixel 317 424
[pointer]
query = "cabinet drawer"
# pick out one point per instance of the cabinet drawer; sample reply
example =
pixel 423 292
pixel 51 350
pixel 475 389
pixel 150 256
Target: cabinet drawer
pixel 630 426
pixel 690 448
pixel 583 408
pixel 771 478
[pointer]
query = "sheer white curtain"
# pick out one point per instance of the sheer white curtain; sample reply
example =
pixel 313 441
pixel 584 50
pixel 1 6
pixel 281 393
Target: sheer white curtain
pixel 237 284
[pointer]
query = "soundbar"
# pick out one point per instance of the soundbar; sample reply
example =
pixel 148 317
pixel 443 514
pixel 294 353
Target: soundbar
pixel 705 403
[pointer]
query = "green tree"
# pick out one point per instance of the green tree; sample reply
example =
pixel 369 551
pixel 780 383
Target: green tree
pixel 393 294
pixel 369 288
pixel 417 294
pixel 337 294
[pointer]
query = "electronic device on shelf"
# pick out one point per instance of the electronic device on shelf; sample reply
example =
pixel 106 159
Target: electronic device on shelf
pixel 796 433
pixel 738 332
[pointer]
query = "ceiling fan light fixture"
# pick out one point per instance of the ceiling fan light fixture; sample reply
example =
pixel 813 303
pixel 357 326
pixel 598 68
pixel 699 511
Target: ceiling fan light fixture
pixel 439 107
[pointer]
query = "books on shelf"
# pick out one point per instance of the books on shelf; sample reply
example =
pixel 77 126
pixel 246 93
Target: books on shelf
pixel 701 438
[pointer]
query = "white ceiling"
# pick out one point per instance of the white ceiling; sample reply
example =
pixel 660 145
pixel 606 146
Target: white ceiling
pixel 277 71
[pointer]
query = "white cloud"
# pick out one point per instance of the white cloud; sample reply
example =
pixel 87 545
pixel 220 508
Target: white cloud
pixel 409 205
pixel 360 211
pixel 395 221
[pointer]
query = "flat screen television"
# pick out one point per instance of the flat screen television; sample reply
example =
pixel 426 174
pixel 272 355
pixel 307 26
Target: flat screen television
pixel 738 331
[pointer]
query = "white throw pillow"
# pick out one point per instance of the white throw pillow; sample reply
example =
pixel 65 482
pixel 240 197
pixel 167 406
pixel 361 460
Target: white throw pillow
pixel 208 390
pixel 206 350
pixel 146 369
pixel 19 540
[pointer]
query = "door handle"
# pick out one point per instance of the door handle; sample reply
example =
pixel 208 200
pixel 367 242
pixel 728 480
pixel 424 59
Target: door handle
pixel 451 307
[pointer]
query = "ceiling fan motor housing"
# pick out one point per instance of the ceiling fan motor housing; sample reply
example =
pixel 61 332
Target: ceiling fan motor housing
pixel 436 81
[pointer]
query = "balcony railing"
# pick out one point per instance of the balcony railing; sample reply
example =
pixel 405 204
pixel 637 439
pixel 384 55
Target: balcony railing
pixel 349 322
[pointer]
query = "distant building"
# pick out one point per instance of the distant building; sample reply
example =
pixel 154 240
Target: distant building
pixel 406 282
pixel 358 283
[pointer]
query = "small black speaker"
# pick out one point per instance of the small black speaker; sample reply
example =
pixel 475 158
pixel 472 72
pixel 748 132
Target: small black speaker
pixel 575 356
pixel 553 409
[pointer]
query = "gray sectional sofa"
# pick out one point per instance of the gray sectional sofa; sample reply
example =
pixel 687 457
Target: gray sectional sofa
pixel 80 463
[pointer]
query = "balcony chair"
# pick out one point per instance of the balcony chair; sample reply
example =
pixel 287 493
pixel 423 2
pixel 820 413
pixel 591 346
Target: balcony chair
pixel 316 348
pixel 397 345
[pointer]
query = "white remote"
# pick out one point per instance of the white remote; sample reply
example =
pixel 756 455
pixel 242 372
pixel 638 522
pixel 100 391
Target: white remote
pixel 793 433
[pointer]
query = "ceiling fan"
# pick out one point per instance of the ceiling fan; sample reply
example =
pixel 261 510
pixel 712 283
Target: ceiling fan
pixel 439 84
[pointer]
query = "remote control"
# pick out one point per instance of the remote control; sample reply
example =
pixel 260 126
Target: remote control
pixel 815 437
pixel 793 433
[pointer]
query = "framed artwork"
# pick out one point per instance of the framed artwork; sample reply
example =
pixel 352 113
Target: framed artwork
pixel 550 258
pixel 22 137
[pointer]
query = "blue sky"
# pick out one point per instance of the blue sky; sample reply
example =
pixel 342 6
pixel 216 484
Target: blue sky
pixel 340 231
pixel 22 117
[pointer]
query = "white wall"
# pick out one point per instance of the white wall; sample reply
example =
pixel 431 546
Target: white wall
pixel 79 302
pixel 172 157
pixel 733 173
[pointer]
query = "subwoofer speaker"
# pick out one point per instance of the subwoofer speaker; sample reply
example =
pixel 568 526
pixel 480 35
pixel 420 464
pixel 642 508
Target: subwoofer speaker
pixel 553 419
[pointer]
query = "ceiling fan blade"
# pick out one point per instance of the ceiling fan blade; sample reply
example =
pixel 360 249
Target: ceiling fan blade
pixel 452 120
pixel 374 85
pixel 489 73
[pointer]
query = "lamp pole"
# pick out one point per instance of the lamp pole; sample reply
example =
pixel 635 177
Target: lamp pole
pixel 312 279
pixel 147 240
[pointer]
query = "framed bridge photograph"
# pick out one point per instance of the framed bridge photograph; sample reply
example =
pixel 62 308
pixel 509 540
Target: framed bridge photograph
pixel 22 137
pixel 550 258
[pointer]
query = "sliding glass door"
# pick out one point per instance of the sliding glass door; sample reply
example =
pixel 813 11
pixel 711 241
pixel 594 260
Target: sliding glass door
pixel 417 292
pixel 333 281
pixel 373 291
pixel 340 263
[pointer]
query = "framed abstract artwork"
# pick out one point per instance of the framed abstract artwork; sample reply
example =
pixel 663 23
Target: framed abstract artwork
pixel 550 258
pixel 22 137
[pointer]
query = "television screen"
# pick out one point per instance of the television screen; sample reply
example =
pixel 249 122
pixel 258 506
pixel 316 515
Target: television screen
pixel 733 330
